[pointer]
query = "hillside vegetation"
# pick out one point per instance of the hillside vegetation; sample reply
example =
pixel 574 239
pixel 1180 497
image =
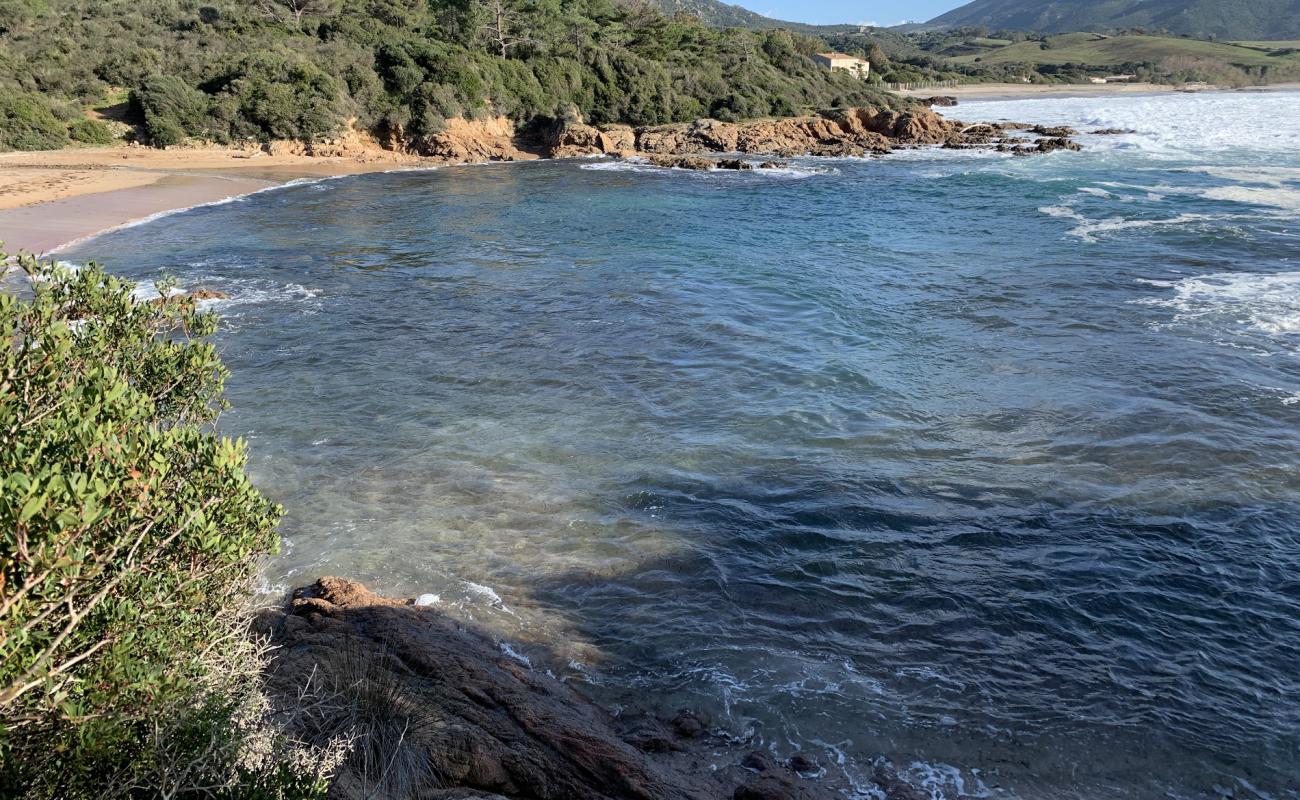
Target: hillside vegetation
pixel 228 70
pixel 1224 19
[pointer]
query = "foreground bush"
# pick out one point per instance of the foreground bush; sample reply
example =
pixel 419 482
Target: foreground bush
pixel 128 534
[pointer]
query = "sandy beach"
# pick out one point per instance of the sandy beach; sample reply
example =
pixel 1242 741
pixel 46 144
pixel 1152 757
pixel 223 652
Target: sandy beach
pixel 1025 91
pixel 50 198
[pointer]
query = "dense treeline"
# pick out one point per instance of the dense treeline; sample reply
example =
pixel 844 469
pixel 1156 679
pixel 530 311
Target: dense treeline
pixel 231 70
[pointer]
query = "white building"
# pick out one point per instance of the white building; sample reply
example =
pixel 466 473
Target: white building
pixel 859 67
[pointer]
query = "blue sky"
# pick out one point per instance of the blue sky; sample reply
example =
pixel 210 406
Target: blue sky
pixel 874 12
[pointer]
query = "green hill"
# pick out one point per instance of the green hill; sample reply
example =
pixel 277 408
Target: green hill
pixel 234 70
pixel 722 15
pixel 1225 19
pixel 1100 50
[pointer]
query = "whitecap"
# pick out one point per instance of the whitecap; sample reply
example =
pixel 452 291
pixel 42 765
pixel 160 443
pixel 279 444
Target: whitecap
pixel 1267 303
pixel 1285 199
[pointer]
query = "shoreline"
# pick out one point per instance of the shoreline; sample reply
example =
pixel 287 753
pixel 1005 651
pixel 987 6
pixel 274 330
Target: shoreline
pixel 1031 91
pixel 50 200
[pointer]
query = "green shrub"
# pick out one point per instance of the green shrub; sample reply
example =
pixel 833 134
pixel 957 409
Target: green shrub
pixel 171 109
pixel 128 535
pixel 28 122
pixel 90 131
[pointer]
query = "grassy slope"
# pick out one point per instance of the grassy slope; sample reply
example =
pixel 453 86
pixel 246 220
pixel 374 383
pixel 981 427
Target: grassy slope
pixel 1227 19
pixel 1100 51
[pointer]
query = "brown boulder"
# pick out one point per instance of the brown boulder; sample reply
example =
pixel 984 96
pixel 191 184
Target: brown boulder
pixel 436 709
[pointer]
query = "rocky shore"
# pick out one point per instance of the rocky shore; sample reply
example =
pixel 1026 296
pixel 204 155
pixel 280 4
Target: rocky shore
pixel 850 132
pixel 439 710
pixel 50 198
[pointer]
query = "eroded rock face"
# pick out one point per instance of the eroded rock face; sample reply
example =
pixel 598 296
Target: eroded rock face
pixel 580 139
pixel 438 710
pixel 465 140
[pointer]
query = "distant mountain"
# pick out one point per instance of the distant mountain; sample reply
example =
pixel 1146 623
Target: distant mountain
pixel 1226 19
pixel 722 15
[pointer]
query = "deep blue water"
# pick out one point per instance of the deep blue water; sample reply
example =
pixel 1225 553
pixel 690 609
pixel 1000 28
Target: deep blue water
pixel 984 465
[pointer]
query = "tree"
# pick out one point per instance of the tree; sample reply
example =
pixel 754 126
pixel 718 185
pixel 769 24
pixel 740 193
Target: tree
pixel 876 55
pixel 503 27
pixel 295 10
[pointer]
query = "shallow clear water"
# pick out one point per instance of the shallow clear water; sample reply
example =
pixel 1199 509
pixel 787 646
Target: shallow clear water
pixel 987 465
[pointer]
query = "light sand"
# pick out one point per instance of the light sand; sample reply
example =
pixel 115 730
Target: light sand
pixel 1024 91
pixel 51 198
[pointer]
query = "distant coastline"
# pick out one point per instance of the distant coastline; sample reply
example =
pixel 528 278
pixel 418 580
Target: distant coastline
pixel 50 199
pixel 1028 91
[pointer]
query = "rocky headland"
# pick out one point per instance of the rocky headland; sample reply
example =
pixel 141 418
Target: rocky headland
pixel 50 198
pixel 437 709
pixel 850 132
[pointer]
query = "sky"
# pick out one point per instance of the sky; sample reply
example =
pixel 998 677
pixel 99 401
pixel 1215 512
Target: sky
pixel 862 12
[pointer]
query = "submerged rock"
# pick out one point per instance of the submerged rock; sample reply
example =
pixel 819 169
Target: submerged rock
pixel 197 295
pixel 1054 144
pixel 683 162
pixel 1057 132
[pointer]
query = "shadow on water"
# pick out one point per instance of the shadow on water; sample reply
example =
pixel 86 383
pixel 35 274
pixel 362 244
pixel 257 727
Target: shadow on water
pixel 858 620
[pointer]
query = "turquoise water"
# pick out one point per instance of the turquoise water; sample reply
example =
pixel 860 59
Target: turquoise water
pixel 984 465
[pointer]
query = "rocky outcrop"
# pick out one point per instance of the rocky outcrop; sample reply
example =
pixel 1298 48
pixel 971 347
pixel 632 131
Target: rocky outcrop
pixel 580 139
pixel 844 132
pixel 859 132
pixel 850 132
pixel 938 101
pixel 466 141
pixel 1051 145
pixel 436 709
